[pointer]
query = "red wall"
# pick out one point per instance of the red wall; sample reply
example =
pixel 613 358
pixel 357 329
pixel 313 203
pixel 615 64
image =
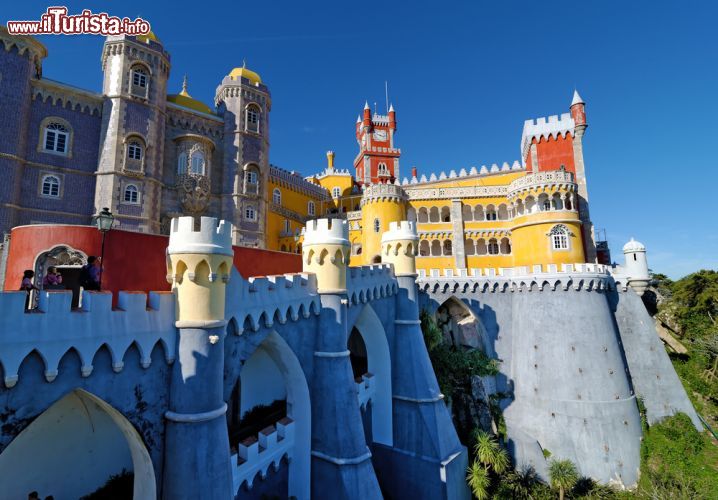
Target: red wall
pixel 133 261
pixel 554 152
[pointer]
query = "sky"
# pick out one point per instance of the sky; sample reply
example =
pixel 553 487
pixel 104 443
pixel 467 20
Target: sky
pixel 463 77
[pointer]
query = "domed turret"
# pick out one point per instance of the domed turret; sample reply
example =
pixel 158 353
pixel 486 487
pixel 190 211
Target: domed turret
pixel 187 101
pixel 636 265
pixel 243 72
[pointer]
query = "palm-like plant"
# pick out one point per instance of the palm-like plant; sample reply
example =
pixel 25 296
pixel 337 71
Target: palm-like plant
pixel 563 475
pixel 522 482
pixel 490 453
pixel 478 479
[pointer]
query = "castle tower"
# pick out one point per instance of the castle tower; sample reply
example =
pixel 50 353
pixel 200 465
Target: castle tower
pixel 578 113
pixel 378 159
pixel 244 102
pixel 341 461
pixel 381 204
pixel 636 266
pixel 417 400
pixel 199 266
pixel 136 69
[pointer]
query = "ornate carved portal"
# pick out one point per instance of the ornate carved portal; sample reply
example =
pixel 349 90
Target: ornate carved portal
pixel 69 261
pixel 193 193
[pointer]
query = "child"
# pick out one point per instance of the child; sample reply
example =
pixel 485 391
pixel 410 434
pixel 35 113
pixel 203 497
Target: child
pixel 27 285
pixel 53 279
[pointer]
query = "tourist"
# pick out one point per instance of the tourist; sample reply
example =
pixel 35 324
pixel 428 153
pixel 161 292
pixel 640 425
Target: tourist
pixel 53 280
pixel 27 285
pixel 90 274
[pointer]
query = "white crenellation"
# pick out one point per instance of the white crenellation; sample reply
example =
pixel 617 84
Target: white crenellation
pixel 212 237
pixel 543 128
pixel 255 455
pixel 54 329
pixel 326 232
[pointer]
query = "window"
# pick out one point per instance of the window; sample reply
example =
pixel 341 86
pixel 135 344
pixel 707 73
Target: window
pixel 277 197
pixel 134 151
pixel 493 247
pixel 447 247
pixel 250 213
pixel 491 213
pixel 252 118
pixel 559 237
pixel 336 192
pixel 251 177
pixel 182 163
pixel 310 208
pixel 377 225
pixel 51 186
pixel 132 195
pixel 287 226
pixel 140 81
pixel 197 166
pixel 546 205
pixel 56 137
pixel 382 170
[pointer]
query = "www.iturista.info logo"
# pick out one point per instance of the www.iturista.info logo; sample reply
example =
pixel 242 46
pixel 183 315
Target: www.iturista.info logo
pixel 56 21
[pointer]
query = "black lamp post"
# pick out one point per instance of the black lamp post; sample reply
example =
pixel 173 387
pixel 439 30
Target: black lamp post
pixel 103 221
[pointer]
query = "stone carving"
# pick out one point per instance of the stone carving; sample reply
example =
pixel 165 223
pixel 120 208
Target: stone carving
pixel 193 192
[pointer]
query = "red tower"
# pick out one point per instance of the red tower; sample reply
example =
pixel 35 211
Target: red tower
pixel 378 159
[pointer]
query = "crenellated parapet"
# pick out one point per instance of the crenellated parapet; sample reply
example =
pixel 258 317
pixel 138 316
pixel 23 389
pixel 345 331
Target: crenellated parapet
pixel 463 174
pixel 578 277
pixel 383 192
pixel 55 329
pixel 325 253
pixel 372 282
pixel 400 246
pixel 546 128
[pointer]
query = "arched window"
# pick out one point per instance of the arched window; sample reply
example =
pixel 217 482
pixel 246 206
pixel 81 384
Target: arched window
pixel 493 247
pixel 481 247
pixel 467 213
pixel 478 212
pixel 336 192
pixel 491 213
pixel 424 248
pixel 433 214
pixel 447 247
pixel 377 225
pixel 435 248
pixel 423 215
pixel 445 214
pixel 469 247
pixel 251 118
pixel 559 237
pixel 57 138
pixel 544 202
pixel 382 170
pixel 140 81
pixel 51 186
pixel 505 246
pixel 310 208
pixel 277 197
pixel 132 194
pixel 197 166
pixel 250 214
pixel 503 212
pixel 411 214
pixel 134 151
pixel 182 163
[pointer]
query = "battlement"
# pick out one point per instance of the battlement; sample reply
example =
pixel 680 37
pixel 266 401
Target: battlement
pixel 463 173
pixel 54 328
pixel 212 237
pixel 326 232
pixel 545 128
pixel 577 276
pixel 383 192
pixel 400 230
pixel 366 283
pixel 543 180
pixel 292 180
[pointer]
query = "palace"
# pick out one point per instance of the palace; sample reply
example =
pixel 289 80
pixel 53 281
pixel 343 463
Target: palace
pixel 149 156
pixel 264 336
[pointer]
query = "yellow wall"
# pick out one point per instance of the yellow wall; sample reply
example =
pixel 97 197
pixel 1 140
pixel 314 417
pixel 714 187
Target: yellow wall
pixel 532 245
pixel 295 201
pixel 386 212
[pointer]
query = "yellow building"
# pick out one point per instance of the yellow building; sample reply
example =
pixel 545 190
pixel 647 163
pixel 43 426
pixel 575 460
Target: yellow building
pixel 530 213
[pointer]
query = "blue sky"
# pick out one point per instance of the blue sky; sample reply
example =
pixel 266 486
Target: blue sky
pixel 463 76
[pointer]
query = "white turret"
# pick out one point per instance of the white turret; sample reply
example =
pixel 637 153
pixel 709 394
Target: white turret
pixel 326 253
pixel 636 266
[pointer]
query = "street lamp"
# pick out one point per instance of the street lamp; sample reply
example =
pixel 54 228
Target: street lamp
pixel 103 221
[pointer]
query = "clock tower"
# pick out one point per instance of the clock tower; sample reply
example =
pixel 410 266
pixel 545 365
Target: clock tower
pixel 378 159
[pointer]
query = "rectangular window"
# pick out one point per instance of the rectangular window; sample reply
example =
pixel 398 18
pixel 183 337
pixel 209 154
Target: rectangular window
pixel 250 214
pixel 139 79
pixel 50 141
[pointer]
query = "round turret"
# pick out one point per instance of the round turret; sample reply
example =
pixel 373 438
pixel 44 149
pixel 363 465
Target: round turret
pixel 636 266
pixel 198 267
pixel 381 205
pixel 400 246
pixel 325 252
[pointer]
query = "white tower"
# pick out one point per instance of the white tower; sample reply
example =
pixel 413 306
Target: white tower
pixel 636 266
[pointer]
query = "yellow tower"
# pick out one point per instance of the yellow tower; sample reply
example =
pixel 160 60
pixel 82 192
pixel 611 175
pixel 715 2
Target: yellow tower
pixel 381 205
pixel 546 225
pixel 325 252
pixel 199 264
pixel 400 246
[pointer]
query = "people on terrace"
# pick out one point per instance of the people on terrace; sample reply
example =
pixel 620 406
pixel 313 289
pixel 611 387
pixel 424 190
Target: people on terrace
pixel 53 279
pixel 90 274
pixel 27 285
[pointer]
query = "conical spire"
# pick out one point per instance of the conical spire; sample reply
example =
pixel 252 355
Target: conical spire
pixel 391 107
pixel 576 98
pixel 358 119
pixel 184 87
pixel 366 104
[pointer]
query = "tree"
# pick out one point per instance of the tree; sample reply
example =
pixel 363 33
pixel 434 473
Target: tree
pixel 478 479
pixel 522 482
pixel 490 453
pixel 563 475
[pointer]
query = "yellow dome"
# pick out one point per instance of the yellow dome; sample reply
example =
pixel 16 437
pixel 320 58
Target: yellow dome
pixel 187 101
pixel 243 72
pixel 149 36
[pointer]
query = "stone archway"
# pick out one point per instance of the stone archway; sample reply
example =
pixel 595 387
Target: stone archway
pixel 378 359
pixel 459 325
pixel 69 261
pixel 72 448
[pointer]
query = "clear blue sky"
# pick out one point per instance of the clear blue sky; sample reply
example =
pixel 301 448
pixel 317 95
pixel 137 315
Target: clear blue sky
pixel 463 76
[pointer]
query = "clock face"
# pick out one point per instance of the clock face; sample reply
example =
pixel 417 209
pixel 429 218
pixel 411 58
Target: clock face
pixel 380 135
